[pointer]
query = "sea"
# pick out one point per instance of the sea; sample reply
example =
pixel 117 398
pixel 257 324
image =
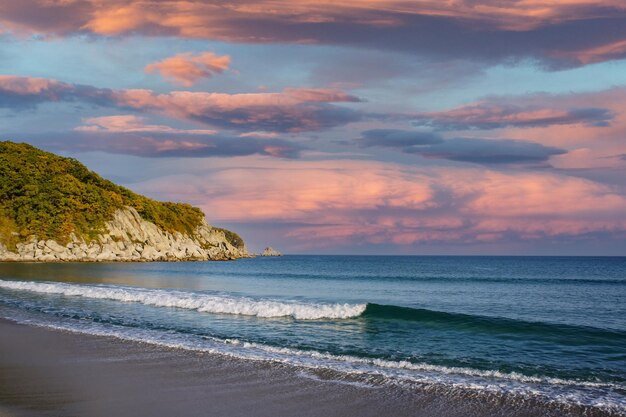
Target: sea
pixel 524 329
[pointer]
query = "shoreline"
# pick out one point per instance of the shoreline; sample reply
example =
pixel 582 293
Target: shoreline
pixel 117 261
pixel 49 372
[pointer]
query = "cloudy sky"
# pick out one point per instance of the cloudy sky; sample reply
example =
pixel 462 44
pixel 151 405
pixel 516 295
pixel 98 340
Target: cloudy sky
pixel 377 126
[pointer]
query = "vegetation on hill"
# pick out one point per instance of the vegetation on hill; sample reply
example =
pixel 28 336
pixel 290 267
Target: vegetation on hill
pixel 50 196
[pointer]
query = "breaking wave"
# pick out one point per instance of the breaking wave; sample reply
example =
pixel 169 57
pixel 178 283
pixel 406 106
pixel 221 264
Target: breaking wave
pixel 206 303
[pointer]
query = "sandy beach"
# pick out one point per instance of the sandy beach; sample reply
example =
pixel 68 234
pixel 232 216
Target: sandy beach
pixel 51 373
pixel 46 372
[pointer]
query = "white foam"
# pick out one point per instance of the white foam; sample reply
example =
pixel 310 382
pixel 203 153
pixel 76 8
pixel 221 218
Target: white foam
pixel 194 301
pixel 424 367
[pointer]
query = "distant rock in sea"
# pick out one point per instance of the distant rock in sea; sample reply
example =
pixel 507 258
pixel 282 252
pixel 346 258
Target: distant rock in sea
pixel 53 209
pixel 269 251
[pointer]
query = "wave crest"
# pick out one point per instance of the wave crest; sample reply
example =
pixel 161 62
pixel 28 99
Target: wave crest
pixel 195 301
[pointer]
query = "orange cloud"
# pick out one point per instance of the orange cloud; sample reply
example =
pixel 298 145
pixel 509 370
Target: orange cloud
pixel 484 30
pixel 186 69
pixel 206 19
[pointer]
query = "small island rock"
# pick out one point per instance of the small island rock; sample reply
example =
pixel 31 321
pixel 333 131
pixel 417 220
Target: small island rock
pixel 269 251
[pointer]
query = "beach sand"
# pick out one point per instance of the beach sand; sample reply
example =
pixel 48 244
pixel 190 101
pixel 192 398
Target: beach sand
pixel 47 372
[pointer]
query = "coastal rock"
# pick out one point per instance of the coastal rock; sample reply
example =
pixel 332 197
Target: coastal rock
pixel 269 251
pixel 130 238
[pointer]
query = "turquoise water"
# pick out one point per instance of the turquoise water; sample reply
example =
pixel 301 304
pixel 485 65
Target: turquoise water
pixel 549 328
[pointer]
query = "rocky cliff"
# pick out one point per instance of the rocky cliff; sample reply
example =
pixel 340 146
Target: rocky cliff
pixel 130 238
pixel 53 208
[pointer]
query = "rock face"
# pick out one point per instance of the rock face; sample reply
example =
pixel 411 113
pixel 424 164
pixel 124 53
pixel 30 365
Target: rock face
pixel 269 251
pixel 130 238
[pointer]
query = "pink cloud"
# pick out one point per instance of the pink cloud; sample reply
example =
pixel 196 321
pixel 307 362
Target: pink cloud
pixel 28 85
pixel 186 69
pixel 293 109
pixel 515 196
pixel 320 95
pixel 17 92
pixel 614 50
pixel 340 202
pixel 591 126
pixel 132 124
pixel 498 113
pixel 289 110
pixel 257 134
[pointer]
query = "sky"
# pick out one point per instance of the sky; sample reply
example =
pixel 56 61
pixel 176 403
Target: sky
pixel 448 127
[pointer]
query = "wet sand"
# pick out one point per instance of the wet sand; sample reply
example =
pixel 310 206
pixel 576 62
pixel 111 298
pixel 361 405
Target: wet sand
pixel 51 373
pixel 46 372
